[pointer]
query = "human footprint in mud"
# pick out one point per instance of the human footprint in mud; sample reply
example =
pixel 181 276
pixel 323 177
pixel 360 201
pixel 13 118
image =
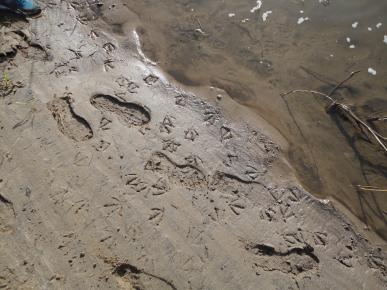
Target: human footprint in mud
pixel 25 7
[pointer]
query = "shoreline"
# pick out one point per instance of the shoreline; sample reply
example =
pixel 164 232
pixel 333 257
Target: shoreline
pixel 329 155
pixel 286 170
pixel 115 177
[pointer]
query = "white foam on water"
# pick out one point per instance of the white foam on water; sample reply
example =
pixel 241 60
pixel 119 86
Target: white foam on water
pixel 257 7
pixel 266 14
pixel 302 20
pixel 371 71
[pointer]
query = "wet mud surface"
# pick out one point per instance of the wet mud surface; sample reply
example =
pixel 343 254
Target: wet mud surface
pixel 256 50
pixel 114 177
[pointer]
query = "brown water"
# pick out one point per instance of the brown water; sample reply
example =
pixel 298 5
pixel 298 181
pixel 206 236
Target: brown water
pixel 224 44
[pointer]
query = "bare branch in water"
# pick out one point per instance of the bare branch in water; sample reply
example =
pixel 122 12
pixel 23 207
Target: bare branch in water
pixel 346 110
pixel 371 188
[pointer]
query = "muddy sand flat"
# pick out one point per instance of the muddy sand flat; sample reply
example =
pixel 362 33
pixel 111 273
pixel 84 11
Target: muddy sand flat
pixel 111 177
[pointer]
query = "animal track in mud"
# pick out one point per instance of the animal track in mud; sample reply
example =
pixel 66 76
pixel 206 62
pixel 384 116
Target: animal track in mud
pixel 225 134
pixel 181 100
pixel 376 260
pixel 64 68
pixel 253 172
pixel 194 160
pixel 151 79
pixel 167 124
pixel 191 134
pixel 239 193
pixel 186 174
pixel 170 145
pixel 113 207
pixel 237 207
pixel 102 145
pixel 128 113
pixel 69 123
pixel 104 124
pixel 320 239
pixel 287 195
pixel 157 215
pixel 346 259
pixel 109 47
pixel 108 65
pixel 211 116
pixel 136 278
pixel 295 260
pixel 277 212
pixel 292 239
pixel 262 146
pixel 282 207
pixel 127 84
pixel 160 187
pixel 134 181
pixel 231 158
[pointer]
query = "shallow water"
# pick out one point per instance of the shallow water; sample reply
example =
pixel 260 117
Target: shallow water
pixel 257 54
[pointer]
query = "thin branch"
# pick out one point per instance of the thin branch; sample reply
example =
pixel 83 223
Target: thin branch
pixel 351 75
pixel 309 91
pixel 380 139
pixel 370 188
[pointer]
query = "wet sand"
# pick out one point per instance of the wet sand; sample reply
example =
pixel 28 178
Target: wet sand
pixel 300 45
pixel 114 177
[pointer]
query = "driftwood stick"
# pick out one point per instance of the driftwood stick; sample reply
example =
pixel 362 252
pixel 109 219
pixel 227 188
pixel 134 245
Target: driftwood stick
pixel 380 139
pixel 376 119
pixel 351 75
pixel 370 188
pixel 311 92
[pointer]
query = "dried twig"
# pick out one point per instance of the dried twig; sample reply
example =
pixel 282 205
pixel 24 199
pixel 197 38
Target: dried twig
pixel 351 75
pixel 371 188
pixel 376 119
